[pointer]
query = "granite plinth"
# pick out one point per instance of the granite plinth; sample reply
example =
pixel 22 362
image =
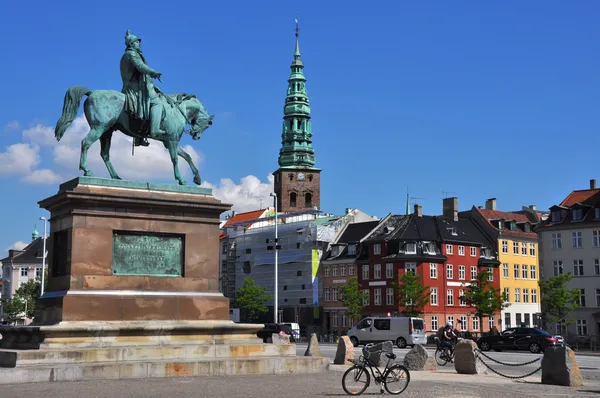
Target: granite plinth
pixel 83 285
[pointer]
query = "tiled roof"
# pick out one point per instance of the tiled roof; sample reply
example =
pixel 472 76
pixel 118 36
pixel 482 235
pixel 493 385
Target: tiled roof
pixel 507 216
pixel 356 231
pixel 583 196
pixel 241 217
pixel 31 254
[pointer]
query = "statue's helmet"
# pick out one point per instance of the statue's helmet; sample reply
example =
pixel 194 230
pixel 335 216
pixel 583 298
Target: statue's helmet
pixel 130 39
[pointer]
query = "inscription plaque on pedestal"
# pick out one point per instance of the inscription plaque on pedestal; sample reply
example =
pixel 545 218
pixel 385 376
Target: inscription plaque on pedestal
pixel 137 253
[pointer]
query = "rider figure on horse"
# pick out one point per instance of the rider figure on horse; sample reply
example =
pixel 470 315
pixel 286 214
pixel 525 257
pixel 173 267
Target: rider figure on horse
pixel 142 98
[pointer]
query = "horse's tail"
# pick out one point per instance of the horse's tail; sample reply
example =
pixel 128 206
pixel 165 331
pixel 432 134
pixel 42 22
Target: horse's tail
pixel 73 98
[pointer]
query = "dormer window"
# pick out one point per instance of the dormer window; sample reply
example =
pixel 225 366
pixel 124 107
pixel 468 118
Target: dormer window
pixel 513 226
pixel 597 213
pixel 578 214
pixel 526 228
pixel 556 216
pixel 411 248
pixel 429 248
pixel 500 224
pixel 452 231
pixel 352 250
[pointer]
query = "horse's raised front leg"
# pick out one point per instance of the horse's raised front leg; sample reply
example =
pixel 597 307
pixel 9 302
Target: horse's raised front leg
pixel 172 148
pixel 86 143
pixel 105 154
pixel 181 152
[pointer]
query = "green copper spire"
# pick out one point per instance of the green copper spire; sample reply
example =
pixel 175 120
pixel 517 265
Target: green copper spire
pixel 35 234
pixel 296 138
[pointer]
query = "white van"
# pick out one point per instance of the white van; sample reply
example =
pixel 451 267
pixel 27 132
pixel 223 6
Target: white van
pixel 295 328
pixel 404 331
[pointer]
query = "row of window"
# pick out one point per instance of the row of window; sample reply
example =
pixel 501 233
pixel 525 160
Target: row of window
pixel 412 267
pixel 389 296
pixel 346 319
pixel 523 246
pixel 521 320
pixel 343 269
pixel 582 302
pixel 523 272
pixel 577 215
pixel 578 268
pixel 449 249
pixel 517 295
pixel 576 239
pixel 462 322
pixel 25 272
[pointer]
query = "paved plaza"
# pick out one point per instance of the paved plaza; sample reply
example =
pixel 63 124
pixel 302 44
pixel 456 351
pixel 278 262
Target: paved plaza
pixel 423 384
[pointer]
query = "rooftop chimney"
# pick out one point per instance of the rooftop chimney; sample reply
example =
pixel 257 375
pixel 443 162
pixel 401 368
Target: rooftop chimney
pixel 593 184
pixel 450 208
pixel 533 207
pixel 490 204
pixel 419 210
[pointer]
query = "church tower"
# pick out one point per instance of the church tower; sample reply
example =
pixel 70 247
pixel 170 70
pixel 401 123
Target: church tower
pixel 297 181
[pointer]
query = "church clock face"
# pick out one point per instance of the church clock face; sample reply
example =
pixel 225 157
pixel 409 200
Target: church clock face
pixel 300 176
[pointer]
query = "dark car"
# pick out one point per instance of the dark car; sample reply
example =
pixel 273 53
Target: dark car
pixel 266 333
pixel 532 339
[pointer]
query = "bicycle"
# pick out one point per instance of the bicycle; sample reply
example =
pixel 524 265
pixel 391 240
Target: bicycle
pixel 442 354
pixel 389 375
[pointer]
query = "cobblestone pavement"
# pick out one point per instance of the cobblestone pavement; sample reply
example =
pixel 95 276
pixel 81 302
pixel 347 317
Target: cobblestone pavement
pixel 423 384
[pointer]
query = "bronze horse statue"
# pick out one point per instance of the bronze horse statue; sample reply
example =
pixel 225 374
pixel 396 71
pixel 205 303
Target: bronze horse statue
pixel 105 113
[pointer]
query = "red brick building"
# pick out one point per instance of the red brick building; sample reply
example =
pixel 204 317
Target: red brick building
pixel 445 251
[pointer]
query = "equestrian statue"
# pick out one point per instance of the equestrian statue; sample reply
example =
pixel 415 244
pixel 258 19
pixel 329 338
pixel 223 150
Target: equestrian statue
pixel 141 110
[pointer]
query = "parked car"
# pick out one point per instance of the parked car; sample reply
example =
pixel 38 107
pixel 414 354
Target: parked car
pixel 266 333
pixel 404 331
pixel 533 339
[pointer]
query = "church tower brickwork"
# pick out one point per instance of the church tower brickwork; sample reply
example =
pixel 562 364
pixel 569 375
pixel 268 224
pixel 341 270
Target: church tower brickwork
pixel 297 181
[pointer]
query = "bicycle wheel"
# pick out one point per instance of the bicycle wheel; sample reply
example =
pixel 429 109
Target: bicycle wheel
pixel 356 380
pixel 440 356
pixel 396 379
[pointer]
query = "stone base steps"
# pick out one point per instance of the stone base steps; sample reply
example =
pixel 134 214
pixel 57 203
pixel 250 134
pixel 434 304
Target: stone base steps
pixel 142 369
pixel 116 354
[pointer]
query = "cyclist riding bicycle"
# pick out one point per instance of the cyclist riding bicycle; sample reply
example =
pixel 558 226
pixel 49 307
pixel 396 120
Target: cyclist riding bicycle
pixel 448 336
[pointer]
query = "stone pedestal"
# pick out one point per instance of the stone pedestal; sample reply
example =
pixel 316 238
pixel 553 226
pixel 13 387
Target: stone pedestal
pixel 133 292
pixel 559 367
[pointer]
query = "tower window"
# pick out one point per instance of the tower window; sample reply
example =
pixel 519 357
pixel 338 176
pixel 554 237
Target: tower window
pixel 291 175
pixel 293 199
pixel 308 199
pixel 310 177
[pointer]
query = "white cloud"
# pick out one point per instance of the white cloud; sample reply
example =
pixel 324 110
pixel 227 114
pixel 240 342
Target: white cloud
pixel 19 159
pixel 43 176
pixel 20 245
pixel 11 126
pixel 251 194
pixel 40 134
pixel 148 164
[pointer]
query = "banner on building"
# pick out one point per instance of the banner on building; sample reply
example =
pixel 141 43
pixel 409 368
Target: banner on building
pixel 315 278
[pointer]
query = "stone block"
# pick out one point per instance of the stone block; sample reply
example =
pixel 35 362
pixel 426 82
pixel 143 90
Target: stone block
pixel 559 367
pixel 417 359
pixel 345 352
pixel 377 352
pixel 465 358
pixel 313 349
pixel 280 338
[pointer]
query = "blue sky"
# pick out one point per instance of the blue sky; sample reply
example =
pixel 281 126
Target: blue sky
pixel 478 99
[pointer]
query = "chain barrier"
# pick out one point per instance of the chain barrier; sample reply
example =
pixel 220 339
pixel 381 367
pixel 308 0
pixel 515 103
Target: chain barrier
pixel 507 364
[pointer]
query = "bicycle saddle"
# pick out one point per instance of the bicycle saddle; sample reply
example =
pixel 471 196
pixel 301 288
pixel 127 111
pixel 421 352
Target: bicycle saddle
pixel 390 355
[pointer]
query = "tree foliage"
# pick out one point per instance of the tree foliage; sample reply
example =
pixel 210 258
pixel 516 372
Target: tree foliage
pixel 558 300
pixel 482 295
pixel 352 298
pixel 22 304
pixel 251 300
pixel 412 295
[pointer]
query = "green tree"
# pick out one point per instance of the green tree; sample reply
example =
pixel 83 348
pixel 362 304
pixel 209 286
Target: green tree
pixel 558 300
pixel 352 298
pixel 482 295
pixel 412 295
pixel 23 301
pixel 251 300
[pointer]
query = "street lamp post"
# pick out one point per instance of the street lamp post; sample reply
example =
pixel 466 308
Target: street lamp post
pixel 43 256
pixel 276 307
